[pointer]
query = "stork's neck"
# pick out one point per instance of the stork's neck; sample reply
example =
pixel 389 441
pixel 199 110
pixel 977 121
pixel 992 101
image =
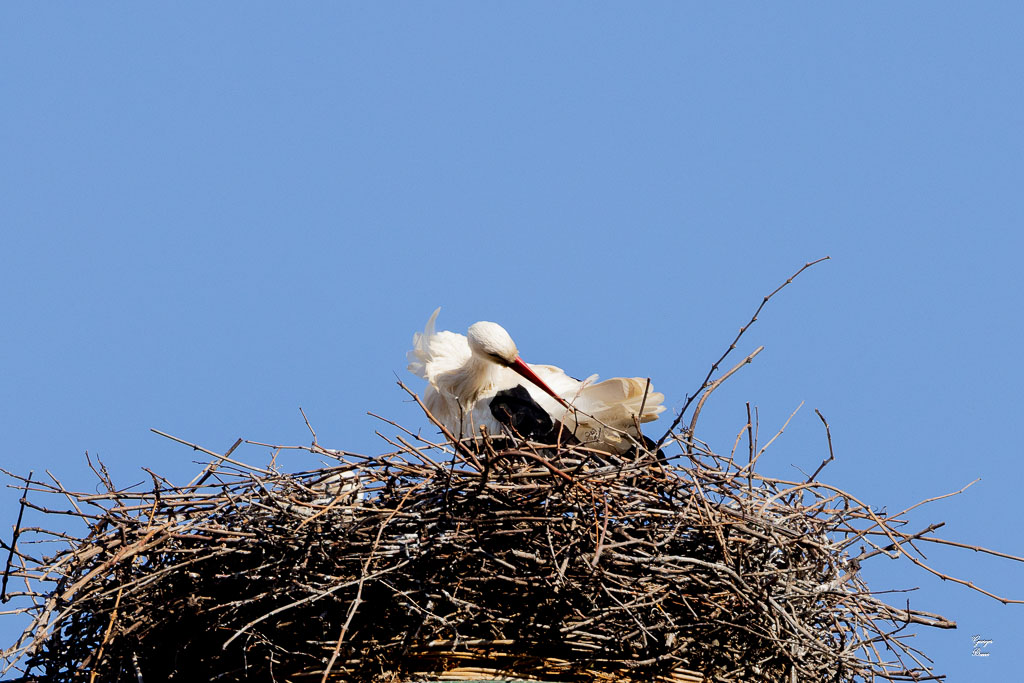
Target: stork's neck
pixel 470 382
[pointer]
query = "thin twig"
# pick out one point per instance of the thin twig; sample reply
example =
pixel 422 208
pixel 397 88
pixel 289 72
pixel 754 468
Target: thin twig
pixel 714 385
pixel 14 540
pixel 831 455
pixel 732 346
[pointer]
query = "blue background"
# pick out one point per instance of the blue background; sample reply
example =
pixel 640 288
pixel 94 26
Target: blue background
pixel 214 213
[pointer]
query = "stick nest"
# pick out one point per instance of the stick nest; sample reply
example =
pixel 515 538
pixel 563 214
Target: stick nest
pixel 557 561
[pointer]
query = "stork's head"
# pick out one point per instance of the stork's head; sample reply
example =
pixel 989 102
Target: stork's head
pixel 491 341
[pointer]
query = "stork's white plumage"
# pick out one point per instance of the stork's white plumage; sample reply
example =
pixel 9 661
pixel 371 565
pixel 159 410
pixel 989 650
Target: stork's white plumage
pixel 465 374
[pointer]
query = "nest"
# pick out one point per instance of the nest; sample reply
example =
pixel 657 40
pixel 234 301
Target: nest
pixel 488 558
pixel 466 559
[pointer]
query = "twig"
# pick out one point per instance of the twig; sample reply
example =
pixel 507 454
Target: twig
pixel 732 346
pixel 714 385
pixel 309 426
pixel 831 455
pixel 357 600
pixel 14 540
pixel 106 635
pixel 469 455
pixel 218 456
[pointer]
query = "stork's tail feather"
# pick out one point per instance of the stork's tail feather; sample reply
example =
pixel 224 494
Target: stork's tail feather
pixel 419 355
pixel 617 400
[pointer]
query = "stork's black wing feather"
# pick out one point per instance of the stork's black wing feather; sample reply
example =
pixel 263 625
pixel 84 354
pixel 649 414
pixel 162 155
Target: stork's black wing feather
pixel 517 410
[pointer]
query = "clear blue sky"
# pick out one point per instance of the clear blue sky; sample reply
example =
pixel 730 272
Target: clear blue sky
pixel 214 213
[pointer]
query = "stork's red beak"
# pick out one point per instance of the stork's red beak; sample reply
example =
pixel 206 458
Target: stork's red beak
pixel 523 369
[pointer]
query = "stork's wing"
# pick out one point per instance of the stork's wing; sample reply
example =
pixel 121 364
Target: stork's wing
pixel 565 386
pixel 436 352
pixel 615 401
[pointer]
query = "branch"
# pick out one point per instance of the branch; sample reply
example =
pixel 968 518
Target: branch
pixel 714 385
pixel 732 346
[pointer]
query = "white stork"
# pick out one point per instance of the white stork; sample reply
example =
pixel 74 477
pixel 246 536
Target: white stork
pixel 473 380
